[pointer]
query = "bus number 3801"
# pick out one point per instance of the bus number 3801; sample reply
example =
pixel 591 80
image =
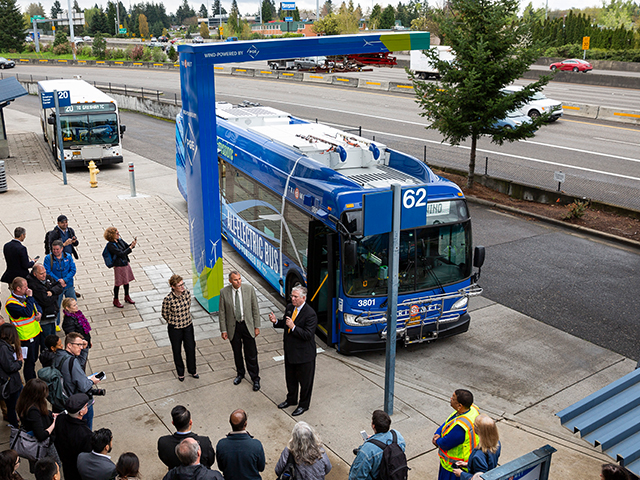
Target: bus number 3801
pixel 367 302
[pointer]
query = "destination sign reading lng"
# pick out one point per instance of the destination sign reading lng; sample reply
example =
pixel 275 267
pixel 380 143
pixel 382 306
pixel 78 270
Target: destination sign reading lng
pixel 89 108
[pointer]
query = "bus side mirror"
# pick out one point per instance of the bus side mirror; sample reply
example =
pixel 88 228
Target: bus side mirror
pixel 51 120
pixel 350 253
pixel 123 128
pixel 478 257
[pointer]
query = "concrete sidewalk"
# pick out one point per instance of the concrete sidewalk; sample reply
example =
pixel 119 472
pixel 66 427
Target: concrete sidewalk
pixel 131 344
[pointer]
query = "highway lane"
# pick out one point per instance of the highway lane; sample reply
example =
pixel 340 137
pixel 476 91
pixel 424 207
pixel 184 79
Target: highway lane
pixel 169 82
pixel 600 159
pixel 580 285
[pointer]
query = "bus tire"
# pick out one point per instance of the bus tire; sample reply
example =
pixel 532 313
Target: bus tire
pixel 293 280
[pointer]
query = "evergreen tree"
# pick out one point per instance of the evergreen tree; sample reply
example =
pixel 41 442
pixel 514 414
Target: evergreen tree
pixel 99 46
pixel 76 7
pixel 374 18
pixel 266 11
pixel 327 8
pixel 203 13
pixel 56 9
pixel 98 23
pixel 12 26
pixel 234 19
pixel 492 48
pixel 184 11
pixel 35 9
pixel 111 19
pixel 296 15
pixel 388 18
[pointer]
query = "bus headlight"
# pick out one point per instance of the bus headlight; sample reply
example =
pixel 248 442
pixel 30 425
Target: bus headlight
pixel 460 304
pixel 351 320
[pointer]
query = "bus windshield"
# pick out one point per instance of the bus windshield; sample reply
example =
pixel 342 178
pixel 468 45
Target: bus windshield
pixel 430 257
pixel 94 129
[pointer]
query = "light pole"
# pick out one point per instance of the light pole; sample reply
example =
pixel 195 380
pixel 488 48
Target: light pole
pixel 73 37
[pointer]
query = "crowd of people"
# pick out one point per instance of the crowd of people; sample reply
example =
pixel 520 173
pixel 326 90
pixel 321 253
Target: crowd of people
pixel 44 301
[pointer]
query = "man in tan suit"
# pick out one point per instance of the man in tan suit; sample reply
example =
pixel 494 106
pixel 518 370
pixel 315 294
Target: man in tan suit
pixel 240 323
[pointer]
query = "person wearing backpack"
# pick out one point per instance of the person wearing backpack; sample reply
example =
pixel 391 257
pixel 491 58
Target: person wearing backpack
pixel 118 252
pixel 374 462
pixel 53 378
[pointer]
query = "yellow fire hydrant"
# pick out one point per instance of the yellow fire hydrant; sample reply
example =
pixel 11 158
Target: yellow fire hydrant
pixel 93 174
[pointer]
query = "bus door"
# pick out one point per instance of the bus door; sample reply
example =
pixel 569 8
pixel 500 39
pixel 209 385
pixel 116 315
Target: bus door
pixel 321 276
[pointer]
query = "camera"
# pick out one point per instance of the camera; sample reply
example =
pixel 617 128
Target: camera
pixel 97 392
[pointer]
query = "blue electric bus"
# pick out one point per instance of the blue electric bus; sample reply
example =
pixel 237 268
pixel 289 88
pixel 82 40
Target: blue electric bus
pixel 291 197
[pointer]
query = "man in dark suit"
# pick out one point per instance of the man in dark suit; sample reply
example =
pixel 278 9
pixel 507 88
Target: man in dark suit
pixel 72 434
pixel 97 464
pixel 240 322
pixel 299 325
pixel 181 419
pixel 16 257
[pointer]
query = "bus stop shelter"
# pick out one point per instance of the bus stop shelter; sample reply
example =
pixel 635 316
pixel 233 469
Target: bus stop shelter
pixel 610 419
pixel 10 89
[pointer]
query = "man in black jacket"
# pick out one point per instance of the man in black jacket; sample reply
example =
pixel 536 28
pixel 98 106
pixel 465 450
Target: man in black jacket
pixel 46 291
pixel 16 257
pixel 299 324
pixel 189 452
pixel 97 464
pixel 64 233
pixel 181 419
pixel 72 435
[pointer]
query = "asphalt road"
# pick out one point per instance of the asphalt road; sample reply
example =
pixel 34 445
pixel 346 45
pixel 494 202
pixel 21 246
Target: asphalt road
pixel 580 285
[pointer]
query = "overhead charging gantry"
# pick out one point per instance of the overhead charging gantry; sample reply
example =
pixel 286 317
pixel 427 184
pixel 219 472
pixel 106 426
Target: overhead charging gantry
pixel 200 140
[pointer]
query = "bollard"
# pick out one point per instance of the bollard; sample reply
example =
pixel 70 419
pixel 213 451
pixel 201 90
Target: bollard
pixel 93 174
pixel 132 179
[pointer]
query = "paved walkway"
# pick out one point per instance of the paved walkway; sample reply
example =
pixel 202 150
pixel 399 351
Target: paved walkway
pixel 131 344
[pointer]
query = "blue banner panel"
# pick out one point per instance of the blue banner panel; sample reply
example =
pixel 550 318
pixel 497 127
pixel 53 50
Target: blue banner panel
pixel 377 210
pixel 248 51
pixel 64 99
pixel 288 5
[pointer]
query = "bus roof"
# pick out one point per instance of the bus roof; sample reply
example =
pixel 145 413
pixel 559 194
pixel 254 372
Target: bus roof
pixel 80 91
pixel 322 169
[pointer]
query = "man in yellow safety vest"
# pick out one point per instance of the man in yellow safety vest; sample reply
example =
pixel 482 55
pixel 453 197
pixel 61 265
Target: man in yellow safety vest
pixel 25 313
pixel 456 437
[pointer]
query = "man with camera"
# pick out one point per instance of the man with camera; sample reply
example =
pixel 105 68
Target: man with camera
pixel 71 363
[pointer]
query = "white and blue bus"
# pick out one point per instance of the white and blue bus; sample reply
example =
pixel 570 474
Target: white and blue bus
pixel 291 198
pixel 90 125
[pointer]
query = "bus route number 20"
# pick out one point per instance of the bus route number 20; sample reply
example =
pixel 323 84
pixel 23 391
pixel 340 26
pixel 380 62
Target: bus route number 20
pixel 414 198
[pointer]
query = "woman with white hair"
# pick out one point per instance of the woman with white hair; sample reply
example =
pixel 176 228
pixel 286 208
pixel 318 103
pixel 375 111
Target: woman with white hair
pixel 485 456
pixel 305 454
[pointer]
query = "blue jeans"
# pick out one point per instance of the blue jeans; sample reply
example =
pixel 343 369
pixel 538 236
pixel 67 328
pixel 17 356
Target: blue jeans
pixel 68 292
pixel 48 329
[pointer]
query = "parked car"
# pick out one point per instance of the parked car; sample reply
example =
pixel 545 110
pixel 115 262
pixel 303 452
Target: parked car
pixel 512 120
pixel 538 105
pixel 4 63
pixel 76 40
pixel 231 39
pixel 87 38
pixel 156 44
pixel 198 39
pixel 153 39
pixel 574 64
pixel 28 39
pixel 163 38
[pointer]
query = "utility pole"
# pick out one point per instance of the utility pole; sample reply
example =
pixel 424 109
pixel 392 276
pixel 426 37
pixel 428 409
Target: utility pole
pixel 73 37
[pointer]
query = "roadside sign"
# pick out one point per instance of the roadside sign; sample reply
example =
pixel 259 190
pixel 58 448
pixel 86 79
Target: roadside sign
pixel 122 30
pixel 287 5
pixel 559 177
pixel 64 99
pixel 585 43
pixel 37 17
pixel 288 19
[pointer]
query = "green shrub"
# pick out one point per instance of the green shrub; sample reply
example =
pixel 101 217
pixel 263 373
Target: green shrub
pixel 60 38
pixel 172 53
pixel 146 55
pixel 577 209
pixel 85 51
pixel 99 47
pixel 117 54
pixel 157 54
pixel 62 49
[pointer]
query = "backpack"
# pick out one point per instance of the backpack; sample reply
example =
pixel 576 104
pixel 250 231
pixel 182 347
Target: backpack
pixel 108 258
pixel 394 462
pixel 57 394
pixel 289 472
pixel 47 241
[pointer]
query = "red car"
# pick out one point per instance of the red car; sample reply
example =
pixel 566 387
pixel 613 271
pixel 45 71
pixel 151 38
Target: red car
pixel 572 64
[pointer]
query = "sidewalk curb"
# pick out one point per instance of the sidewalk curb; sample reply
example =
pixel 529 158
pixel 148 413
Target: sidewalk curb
pixel 589 231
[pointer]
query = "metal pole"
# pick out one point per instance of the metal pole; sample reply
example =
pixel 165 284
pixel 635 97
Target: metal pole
pixel 60 145
pixel 71 32
pixel 35 35
pixel 118 16
pixel 132 179
pixel 392 304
